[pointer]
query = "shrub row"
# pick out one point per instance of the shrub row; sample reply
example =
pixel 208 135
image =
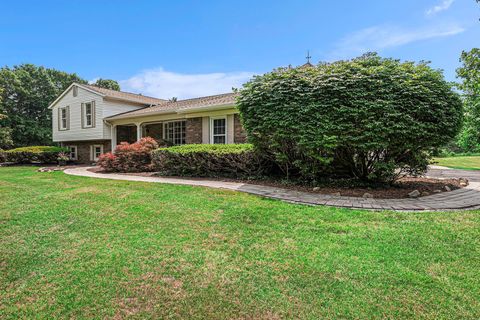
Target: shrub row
pixel 203 160
pixel 134 157
pixel 34 154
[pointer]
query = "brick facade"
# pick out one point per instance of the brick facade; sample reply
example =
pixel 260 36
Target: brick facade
pixel 239 134
pixel 84 148
pixel 193 132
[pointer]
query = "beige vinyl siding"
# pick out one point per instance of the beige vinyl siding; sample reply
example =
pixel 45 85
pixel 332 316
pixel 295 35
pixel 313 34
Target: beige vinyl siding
pixel 103 108
pixel 76 132
pixel 111 108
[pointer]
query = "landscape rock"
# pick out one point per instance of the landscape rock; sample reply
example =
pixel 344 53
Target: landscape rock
pixel 50 169
pixel 367 195
pixel 414 194
pixel 463 182
pixel 437 191
pixel 316 189
pixel 425 193
pixel 447 188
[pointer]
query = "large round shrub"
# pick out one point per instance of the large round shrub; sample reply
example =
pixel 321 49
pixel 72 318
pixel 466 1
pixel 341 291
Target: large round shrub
pixel 370 117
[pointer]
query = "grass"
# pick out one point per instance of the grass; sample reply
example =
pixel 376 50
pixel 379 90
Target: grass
pixel 463 162
pixel 75 247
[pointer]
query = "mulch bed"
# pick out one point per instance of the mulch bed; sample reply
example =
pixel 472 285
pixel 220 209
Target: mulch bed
pixel 401 189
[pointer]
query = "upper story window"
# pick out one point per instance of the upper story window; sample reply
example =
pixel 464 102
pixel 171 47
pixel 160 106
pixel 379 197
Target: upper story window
pixel 175 132
pixel 63 118
pixel 218 130
pixel 88 114
pixel 75 91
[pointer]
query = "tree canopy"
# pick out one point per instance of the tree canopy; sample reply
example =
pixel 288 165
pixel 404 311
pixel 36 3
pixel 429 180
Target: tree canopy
pixel 367 118
pixel 25 92
pixel 107 84
pixel 469 72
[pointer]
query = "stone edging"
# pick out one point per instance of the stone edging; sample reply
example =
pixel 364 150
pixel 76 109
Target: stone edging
pixel 461 199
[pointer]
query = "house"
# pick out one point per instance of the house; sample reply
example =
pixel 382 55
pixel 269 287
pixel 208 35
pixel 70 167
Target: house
pixel 89 120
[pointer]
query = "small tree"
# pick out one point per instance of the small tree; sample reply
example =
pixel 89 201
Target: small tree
pixel 107 84
pixel 371 118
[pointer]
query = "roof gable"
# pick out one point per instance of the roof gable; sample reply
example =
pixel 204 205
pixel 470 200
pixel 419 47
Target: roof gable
pixel 112 94
pixel 68 90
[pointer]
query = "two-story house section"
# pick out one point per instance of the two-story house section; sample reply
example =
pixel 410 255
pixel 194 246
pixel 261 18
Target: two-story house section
pixel 78 118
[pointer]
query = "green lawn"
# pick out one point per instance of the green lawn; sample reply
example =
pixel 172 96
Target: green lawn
pixel 469 163
pixel 74 247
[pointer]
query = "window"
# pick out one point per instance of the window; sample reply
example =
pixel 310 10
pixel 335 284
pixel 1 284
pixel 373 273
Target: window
pixel 72 151
pixel 175 132
pixel 63 118
pixel 96 151
pixel 218 129
pixel 88 111
pixel 75 91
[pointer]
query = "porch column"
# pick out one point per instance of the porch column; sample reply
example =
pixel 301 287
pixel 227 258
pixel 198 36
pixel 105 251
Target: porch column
pixel 113 134
pixel 139 131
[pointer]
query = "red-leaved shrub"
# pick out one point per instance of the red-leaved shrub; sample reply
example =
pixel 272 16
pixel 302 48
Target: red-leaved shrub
pixel 135 157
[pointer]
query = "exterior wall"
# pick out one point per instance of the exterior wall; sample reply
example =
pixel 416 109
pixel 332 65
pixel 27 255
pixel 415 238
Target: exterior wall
pixel 239 133
pixel 103 108
pixel 194 130
pixel 84 148
pixel 111 108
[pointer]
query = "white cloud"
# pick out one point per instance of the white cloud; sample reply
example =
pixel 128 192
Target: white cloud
pixel 166 84
pixel 444 5
pixel 381 37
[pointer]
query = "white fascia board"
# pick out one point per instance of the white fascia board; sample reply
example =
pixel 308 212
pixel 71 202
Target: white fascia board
pixel 68 89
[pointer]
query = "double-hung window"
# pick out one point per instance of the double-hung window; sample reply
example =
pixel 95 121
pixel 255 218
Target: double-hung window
pixel 88 114
pixel 175 132
pixel 96 151
pixel 218 130
pixel 72 152
pixel 63 115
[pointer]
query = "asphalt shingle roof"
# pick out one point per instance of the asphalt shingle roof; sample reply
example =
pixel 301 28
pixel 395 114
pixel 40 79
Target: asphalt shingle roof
pixel 165 106
pixel 125 95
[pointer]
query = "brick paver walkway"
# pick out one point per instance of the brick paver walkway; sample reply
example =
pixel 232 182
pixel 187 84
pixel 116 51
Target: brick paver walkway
pixel 466 198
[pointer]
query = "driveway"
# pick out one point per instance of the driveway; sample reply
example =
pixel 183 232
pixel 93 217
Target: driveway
pixel 446 173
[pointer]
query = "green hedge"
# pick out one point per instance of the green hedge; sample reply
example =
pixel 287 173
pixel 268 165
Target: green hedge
pixel 33 154
pixel 204 160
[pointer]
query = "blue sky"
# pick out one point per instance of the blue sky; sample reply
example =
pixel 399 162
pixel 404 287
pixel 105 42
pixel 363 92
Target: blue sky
pixel 193 48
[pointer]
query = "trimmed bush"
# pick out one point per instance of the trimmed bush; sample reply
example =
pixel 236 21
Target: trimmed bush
pixel 135 157
pixel 210 160
pixel 370 118
pixel 3 157
pixel 34 154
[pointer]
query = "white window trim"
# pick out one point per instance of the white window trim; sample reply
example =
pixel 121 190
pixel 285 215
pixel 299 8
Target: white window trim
pixel 92 151
pixel 165 129
pixel 84 115
pixel 70 153
pixel 61 127
pixel 211 129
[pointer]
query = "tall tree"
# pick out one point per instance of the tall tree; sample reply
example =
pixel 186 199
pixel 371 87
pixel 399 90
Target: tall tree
pixel 470 85
pixel 107 84
pixel 5 135
pixel 25 92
